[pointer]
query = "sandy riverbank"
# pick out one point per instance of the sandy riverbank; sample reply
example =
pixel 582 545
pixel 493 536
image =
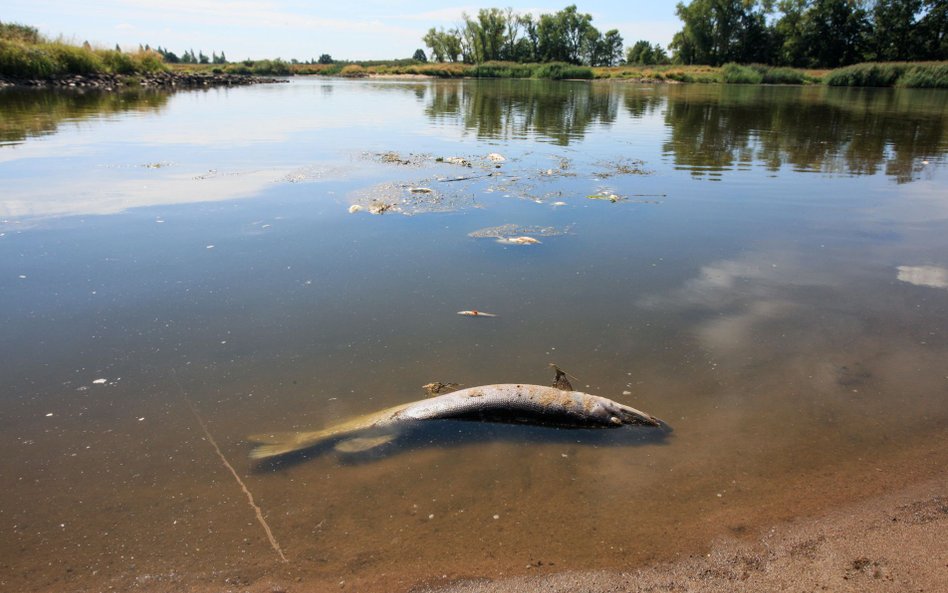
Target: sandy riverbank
pixel 897 542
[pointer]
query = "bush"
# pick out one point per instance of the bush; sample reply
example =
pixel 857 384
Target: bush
pixel 502 70
pixel 560 70
pixel 275 67
pixel 782 75
pixel 25 61
pixel 21 33
pixel 868 74
pixel 732 73
pixel 353 70
pixel 118 62
pixel 925 76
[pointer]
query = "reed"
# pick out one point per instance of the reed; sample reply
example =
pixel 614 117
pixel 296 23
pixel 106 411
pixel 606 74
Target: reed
pixel 888 74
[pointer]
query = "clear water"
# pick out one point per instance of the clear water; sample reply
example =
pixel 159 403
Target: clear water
pixel 772 282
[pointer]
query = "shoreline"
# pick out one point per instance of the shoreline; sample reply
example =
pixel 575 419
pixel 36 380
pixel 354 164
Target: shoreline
pixel 116 82
pixel 894 542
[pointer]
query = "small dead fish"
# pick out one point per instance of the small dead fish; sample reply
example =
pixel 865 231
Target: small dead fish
pixel 496 157
pixel 420 190
pixel 611 197
pixel 518 241
pixel 476 313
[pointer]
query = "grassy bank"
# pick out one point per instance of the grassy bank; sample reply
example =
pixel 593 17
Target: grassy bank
pixel 929 75
pixel 26 54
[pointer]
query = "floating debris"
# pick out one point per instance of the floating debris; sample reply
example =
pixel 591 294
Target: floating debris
pixel 475 313
pixel 408 199
pixel 393 158
pixel 454 160
pixel 516 231
pixel 496 157
pixel 621 167
pixel 380 207
pixel 355 208
pixel 100 382
pixel 611 197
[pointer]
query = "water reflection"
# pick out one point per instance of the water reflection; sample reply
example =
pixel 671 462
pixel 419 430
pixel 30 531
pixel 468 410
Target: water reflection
pixel 28 113
pixel 719 128
pixel 850 131
pixel 560 112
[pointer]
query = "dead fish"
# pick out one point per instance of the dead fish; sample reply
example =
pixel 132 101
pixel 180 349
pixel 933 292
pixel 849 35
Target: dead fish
pixel 496 157
pixel 476 313
pixel 508 402
pixel 518 241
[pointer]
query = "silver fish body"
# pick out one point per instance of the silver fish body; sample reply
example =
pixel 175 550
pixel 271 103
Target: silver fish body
pixel 507 402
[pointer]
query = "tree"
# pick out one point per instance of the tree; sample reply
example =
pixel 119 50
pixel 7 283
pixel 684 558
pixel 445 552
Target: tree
pixel 894 30
pixel 933 30
pixel 641 53
pixel 325 59
pixel 443 44
pixel 420 56
pixel 610 49
pixel 715 30
pixel 835 33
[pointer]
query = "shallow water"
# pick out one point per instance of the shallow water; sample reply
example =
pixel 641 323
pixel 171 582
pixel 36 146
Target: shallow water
pixel 772 281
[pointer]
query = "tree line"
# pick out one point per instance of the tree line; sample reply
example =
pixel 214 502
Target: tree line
pixel 496 34
pixel 811 33
pixel 798 33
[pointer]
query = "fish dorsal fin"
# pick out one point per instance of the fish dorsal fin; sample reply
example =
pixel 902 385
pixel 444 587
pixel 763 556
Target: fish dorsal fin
pixel 439 388
pixel 560 381
pixel 360 444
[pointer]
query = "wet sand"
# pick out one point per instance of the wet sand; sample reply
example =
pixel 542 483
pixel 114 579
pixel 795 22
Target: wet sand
pixel 897 542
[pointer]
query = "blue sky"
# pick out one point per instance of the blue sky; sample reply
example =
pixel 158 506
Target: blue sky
pixel 362 29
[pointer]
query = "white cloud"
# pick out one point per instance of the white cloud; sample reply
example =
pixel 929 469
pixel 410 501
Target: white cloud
pixel 931 276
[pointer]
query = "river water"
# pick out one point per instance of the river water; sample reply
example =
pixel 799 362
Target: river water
pixel 764 268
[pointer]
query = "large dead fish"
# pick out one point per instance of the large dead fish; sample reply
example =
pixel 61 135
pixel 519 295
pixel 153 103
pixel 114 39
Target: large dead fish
pixel 528 404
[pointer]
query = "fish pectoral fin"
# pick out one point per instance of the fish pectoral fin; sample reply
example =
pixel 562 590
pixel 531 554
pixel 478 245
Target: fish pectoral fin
pixel 360 444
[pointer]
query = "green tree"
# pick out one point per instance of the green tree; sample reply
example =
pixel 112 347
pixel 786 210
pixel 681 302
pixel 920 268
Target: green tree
pixel 325 59
pixel 419 55
pixel 835 33
pixel 646 54
pixel 933 30
pixel 719 31
pixel 564 36
pixel 894 30
pixel 789 45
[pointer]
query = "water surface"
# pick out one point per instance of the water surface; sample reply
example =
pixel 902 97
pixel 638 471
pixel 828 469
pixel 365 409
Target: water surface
pixel 772 281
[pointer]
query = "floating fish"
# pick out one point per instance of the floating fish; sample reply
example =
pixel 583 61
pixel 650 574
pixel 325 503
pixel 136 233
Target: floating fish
pixel 511 403
pixel 476 313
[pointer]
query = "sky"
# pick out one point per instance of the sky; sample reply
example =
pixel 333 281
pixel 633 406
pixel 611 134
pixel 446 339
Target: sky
pixel 363 30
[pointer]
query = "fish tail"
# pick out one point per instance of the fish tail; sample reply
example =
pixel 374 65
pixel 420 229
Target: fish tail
pixel 280 443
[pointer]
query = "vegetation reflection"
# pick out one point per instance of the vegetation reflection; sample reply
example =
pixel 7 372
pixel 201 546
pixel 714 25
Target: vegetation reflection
pixel 851 131
pixel 719 128
pixel 558 111
pixel 26 113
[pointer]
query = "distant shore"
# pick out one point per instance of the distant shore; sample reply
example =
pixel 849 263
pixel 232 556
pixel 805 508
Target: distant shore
pixel 156 80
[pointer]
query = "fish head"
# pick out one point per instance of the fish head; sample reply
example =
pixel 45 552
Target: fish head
pixel 616 414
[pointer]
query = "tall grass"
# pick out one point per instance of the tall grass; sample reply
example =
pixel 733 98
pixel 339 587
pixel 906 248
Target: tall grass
pixel 40 60
pixel 737 74
pixel 560 71
pixel 932 75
